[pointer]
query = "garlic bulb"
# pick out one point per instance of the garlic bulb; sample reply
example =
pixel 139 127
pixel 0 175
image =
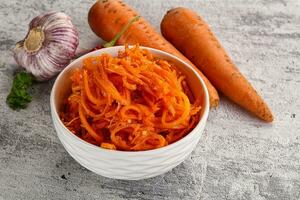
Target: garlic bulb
pixel 49 46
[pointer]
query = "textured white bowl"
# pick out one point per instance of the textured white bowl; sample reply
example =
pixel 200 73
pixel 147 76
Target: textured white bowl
pixel 122 164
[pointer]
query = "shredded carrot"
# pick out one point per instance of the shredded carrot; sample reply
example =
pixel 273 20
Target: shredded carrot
pixel 85 124
pixel 131 102
pixel 108 146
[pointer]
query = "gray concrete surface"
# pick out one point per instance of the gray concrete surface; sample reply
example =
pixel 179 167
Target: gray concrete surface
pixel 239 157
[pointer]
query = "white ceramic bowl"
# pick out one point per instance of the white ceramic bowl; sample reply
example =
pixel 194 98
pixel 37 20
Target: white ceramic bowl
pixel 122 164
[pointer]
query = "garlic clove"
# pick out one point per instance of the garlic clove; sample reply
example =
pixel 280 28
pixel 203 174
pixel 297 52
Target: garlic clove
pixel 49 45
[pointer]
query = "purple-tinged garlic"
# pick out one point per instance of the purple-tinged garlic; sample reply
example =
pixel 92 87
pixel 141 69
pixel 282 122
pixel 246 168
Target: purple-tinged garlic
pixel 49 46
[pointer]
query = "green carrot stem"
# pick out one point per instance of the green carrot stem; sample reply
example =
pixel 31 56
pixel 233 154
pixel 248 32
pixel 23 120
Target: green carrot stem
pixel 124 29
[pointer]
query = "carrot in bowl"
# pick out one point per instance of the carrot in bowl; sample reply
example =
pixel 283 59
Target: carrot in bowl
pixel 131 102
pixel 107 17
pixel 190 34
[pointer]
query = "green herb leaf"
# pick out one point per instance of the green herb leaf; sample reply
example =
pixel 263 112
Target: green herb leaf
pixel 19 97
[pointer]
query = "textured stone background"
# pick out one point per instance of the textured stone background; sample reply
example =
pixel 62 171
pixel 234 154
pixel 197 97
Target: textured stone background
pixel 239 157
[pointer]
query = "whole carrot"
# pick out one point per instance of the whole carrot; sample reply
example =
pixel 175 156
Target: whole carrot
pixel 190 34
pixel 107 17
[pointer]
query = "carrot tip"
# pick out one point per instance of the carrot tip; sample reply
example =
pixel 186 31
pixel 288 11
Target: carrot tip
pixel 214 103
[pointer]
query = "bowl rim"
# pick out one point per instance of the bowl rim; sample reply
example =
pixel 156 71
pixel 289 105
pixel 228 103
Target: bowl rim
pixel 201 122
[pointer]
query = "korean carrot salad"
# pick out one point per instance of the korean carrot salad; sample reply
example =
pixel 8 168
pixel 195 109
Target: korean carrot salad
pixel 131 102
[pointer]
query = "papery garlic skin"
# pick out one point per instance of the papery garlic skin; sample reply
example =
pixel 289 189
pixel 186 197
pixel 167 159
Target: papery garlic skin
pixel 49 46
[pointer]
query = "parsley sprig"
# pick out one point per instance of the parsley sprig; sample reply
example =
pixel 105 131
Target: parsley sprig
pixel 19 97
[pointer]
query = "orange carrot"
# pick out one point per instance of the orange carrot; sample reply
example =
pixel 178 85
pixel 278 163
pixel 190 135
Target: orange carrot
pixel 108 17
pixel 190 34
